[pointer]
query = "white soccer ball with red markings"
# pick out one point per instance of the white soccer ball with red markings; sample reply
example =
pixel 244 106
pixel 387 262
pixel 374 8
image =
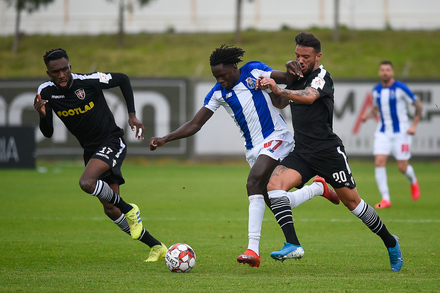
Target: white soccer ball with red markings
pixel 180 258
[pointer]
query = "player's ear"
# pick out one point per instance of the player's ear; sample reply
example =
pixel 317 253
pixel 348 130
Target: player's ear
pixel 318 56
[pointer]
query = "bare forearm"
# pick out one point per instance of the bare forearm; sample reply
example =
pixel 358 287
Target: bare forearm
pixel 419 109
pixel 305 96
pixel 279 101
pixel 186 130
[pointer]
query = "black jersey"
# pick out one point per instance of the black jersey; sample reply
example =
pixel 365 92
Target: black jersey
pixel 313 124
pixel 83 108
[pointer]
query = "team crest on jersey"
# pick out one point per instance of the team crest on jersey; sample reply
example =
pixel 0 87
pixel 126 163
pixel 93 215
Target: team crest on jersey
pixel 251 82
pixel 81 94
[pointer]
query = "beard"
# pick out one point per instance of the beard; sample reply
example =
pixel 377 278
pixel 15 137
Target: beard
pixel 309 69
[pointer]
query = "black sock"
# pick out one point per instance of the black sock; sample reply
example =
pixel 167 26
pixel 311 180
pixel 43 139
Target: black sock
pixel 280 207
pixel 148 239
pixel 145 236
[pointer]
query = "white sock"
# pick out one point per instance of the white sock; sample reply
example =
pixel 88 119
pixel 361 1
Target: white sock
pixel 359 208
pixel 382 182
pixel 304 194
pixel 256 214
pixel 411 175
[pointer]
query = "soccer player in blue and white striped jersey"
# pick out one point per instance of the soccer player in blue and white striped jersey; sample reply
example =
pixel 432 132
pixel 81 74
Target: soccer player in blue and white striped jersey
pixel 267 139
pixel 394 132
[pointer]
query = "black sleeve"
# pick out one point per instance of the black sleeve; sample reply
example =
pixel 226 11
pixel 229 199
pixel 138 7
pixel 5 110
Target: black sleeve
pixel 123 81
pixel 46 123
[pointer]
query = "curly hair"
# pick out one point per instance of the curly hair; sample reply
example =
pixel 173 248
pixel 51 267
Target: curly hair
pixel 54 54
pixel 226 55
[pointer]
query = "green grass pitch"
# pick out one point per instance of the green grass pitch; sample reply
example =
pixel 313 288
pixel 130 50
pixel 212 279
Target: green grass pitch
pixel 56 238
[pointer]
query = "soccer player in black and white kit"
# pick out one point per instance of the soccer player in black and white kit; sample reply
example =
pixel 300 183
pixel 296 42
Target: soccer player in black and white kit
pixel 318 150
pixel 79 102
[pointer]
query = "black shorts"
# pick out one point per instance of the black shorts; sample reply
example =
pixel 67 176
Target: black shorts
pixel 113 152
pixel 331 164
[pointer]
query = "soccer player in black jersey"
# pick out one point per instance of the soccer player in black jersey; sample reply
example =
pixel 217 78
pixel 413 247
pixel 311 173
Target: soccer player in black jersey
pixel 318 150
pixel 79 102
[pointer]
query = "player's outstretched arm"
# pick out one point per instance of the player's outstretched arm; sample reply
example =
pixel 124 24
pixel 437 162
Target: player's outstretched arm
pixel 189 128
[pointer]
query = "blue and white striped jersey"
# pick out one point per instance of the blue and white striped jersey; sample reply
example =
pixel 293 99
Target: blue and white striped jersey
pixel 251 109
pixel 392 103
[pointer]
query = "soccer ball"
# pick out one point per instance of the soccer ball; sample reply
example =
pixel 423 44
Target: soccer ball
pixel 180 258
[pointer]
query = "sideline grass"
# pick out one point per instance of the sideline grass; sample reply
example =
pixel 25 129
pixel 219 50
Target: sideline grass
pixel 55 238
pixel 357 55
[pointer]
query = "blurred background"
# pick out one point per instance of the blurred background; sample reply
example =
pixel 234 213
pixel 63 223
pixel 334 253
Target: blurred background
pixel 82 17
pixel 164 46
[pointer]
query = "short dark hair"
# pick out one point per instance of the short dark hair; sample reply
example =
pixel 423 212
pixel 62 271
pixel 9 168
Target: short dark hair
pixel 226 55
pixel 54 54
pixel 386 62
pixel 306 39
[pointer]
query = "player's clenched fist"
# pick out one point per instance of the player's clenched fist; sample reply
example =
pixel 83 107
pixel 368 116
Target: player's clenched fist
pixel 156 142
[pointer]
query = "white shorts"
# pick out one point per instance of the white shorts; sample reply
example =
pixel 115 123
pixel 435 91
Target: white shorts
pixel 398 144
pixel 276 146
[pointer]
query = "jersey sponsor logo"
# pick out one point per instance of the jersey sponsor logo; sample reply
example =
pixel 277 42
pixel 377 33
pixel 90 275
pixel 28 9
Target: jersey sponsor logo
pixel 76 111
pixel 58 97
pixel 318 82
pixel 251 82
pixel 81 94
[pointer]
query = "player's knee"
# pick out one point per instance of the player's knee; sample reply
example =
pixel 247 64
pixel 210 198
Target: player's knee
pixel 87 185
pixel 254 185
pixel 402 169
pixel 273 185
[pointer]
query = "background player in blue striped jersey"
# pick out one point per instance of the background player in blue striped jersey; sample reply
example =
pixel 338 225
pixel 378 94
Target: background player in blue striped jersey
pixel 267 139
pixel 393 134
pixel 318 150
pixel 78 100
